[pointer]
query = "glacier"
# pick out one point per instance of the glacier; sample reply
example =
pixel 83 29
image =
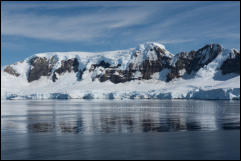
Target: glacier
pixel 208 82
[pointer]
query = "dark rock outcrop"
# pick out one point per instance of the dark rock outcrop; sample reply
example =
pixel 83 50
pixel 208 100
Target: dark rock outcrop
pixel 150 67
pixel 194 60
pixel 116 76
pixel 231 65
pixel 101 64
pixel 40 66
pixel 11 71
pixel 184 59
pixel 67 66
pixel 147 67
pixel 204 56
pixel 54 77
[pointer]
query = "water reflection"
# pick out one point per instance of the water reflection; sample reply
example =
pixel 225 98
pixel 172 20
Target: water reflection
pixel 96 117
pixel 41 127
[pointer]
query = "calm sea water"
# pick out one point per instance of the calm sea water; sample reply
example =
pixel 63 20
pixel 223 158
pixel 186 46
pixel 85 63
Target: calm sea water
pixel 132 129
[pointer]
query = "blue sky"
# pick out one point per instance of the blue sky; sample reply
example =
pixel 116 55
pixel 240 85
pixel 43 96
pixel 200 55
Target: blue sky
pixel 32 27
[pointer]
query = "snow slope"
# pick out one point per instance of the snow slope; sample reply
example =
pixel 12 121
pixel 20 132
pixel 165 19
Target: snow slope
pixel 202 85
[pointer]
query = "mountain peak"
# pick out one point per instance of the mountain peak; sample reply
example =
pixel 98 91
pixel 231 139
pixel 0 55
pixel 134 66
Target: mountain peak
pixel 152 50
pixel 148 45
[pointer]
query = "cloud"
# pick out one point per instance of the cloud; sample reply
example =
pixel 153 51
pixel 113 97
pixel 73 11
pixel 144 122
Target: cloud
pixel 175 41
pixel 225 35
pixel 108 21
pixel 196 22
pixel 78 27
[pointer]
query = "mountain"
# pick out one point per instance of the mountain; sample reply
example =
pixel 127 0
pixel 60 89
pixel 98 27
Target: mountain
pixel 147 71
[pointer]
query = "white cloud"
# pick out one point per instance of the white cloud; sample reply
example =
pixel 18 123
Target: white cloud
pixel 198 21
pixel 81 27
pixel 175 41
pixel 112 19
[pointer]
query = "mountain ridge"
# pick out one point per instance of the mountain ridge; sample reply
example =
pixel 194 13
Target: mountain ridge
pixel 150 61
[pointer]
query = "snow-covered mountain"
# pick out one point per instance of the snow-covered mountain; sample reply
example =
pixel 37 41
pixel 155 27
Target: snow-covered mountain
pixel 148 71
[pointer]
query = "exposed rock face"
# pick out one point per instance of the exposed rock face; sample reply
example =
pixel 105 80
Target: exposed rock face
pixel 156 60
pixel 66 66
pixel 40 67
pixel 11 71
pixel 204 56
pixel 232 65
pixel 194 60
pixel 116 76
pixel 69 65
pixel 184 60
pixel 101 64
pixel 150 67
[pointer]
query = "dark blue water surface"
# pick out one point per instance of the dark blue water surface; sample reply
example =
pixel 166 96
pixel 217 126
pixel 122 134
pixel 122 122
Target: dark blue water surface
pixel 122 129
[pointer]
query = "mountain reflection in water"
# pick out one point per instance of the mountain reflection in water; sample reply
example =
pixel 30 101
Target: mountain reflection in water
pixel 97 117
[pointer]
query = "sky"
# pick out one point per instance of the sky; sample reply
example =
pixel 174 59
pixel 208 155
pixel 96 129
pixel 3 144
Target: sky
pixel 28 28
